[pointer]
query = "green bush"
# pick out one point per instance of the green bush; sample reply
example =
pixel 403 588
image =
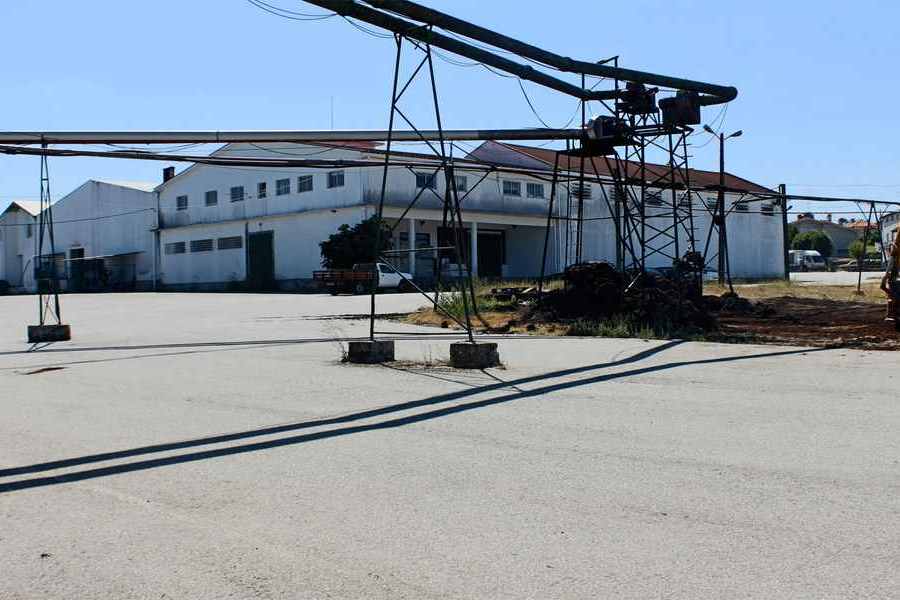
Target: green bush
pixel 814 240
pixel 356 244
pixel 452 303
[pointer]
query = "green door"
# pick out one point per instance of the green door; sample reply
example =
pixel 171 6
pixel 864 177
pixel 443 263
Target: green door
pixel 261 261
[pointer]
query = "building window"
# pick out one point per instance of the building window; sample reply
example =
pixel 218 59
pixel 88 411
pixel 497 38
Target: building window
pixel 237 193
pixel 767 209
pixel 29 230
pixel 653 198
pixel 426 180
pixel 304 184
pixel 261 189
pixel 175 248
pixel 335 179
pixel 512 188
pixel 282 187
pixel 211 198
pixel 584 192
pixel 462 183
pixel 181 203
pixel 201 245
pixel 741 207
pixel 231 243
pixel 535 190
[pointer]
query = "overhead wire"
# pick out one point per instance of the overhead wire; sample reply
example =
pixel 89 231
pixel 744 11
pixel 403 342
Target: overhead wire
pixel 288 14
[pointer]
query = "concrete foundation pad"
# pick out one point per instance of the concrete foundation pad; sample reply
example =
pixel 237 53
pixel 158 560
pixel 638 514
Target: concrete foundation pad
pixel 371 352
pixel 38 334
pixel 480 355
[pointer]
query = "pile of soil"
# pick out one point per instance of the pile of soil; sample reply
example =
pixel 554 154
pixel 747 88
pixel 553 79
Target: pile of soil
pixel 597 291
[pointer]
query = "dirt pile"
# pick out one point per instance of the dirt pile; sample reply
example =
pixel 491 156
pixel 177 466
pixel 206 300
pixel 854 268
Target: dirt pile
pixel 596 291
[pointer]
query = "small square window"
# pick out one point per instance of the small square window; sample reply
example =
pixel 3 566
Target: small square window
pixel 304 183
pixel 181 203
pixel 535 190
pixel 741 207
pixel 767 209
pixel 335 179
pixel 512 188
pixel 462 183
pixel 261 189
pixel 282 187
pixel 237 193
pixel 212 198
pixel 426 180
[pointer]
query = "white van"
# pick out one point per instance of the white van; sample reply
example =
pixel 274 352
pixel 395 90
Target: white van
pixel 807 260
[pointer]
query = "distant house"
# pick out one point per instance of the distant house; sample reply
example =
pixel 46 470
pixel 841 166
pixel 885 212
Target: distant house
pixel 841 237
pixel 889 224
pixel 17 240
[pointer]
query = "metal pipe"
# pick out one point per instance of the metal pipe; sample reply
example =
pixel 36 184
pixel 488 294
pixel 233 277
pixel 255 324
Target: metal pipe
pixel 717 94
pixel 415 31
pixel 224 137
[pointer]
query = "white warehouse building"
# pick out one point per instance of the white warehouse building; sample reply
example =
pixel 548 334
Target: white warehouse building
pixel 103 239
pixel 224 226
pixel 220 227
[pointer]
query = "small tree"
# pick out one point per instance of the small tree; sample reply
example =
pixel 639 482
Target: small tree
pixel 857 249
pixel 356 244
pixel 814 240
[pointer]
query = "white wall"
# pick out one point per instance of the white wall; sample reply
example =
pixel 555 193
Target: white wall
pixel 92 217
pixel 755 239
pixel 196 181
pixel 296 245
pixel 16 247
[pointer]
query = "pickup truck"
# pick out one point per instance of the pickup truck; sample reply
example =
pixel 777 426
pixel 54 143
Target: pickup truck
pixel 361 278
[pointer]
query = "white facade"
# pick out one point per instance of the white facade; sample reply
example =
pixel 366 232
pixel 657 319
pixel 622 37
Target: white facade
pixel 214 227
pixel 205 206
pixel 103 240
pixel 889 230
pixel 18 231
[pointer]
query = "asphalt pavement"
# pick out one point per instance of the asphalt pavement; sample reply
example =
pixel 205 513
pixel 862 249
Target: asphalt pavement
pixel 214 446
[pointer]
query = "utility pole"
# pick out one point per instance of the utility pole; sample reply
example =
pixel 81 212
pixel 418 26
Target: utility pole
pixel 720 207
pixel 785 230
pixel 723 266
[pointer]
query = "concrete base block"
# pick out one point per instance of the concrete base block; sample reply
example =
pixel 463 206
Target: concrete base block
pixel 371 352
pixel 481 355
pixel 38 334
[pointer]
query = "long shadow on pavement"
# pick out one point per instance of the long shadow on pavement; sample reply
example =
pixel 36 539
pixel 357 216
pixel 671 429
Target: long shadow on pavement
pixel 398 422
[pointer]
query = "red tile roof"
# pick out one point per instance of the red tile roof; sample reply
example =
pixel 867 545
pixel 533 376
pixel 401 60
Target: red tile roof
pixel 698 177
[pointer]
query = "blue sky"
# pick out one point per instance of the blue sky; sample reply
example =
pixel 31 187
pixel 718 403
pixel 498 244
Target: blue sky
pixel 817 80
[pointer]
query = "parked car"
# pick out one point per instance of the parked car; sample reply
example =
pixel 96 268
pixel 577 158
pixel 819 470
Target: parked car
pixel 361 278
pixel 807 260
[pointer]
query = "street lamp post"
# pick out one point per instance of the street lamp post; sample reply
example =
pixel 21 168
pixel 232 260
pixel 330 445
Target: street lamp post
pixel 720 206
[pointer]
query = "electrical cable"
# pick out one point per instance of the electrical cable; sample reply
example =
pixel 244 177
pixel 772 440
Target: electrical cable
pixel 57 221
pixel 288 14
